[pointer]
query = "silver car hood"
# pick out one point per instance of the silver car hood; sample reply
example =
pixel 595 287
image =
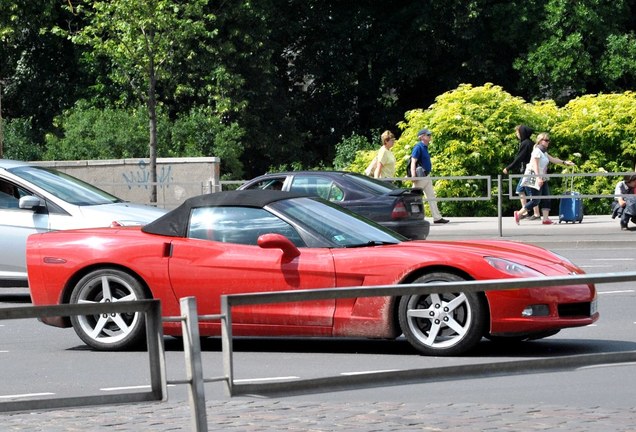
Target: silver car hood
pixel 123 213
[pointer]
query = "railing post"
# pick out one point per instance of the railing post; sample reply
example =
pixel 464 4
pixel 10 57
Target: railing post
pixel 194 369
pixel 499 204
pixel 226 343
pixel 156 352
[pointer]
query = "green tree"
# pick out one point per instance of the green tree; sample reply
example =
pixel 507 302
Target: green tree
pixel 565 58
pixel 39 70
pixel 19 137
pixel 104 133
pixel 618 64
pixel 140 38
pixel 348 147
pixel 201 133
pixel 351 68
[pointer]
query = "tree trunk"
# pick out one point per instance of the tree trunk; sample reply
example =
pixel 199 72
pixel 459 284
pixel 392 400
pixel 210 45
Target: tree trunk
pixel 152 112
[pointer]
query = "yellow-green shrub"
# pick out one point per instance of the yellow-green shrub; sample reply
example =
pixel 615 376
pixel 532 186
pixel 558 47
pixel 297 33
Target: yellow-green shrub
pixel 473 134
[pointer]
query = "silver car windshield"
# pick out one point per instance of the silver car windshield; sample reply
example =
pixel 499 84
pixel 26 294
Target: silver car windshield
pixel 337 225
pixel 64 186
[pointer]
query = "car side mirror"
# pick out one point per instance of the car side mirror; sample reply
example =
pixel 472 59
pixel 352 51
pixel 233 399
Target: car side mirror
pixel 278 241
pixel 30 202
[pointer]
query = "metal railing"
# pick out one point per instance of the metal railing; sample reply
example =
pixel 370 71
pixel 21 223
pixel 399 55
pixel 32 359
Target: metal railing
pixel 151 310
pixel 330 383
pixel 514 178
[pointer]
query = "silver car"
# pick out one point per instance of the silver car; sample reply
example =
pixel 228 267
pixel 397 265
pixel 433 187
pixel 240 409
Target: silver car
pixel 37 199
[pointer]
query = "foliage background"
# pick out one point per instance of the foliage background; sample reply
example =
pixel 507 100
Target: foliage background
pixel 308 83
pixel 473 134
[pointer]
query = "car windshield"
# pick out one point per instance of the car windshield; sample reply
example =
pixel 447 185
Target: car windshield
pixel 378 186
pixel 64 186
pixel 339 226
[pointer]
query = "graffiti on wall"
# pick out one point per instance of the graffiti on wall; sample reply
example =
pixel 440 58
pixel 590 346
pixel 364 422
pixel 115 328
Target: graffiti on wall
pixel 140 178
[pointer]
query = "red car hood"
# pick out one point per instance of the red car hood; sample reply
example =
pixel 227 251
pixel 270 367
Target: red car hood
pixel 522 253
pixel 492 247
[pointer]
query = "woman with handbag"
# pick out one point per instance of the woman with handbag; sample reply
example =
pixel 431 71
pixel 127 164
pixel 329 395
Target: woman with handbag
pixel 536 185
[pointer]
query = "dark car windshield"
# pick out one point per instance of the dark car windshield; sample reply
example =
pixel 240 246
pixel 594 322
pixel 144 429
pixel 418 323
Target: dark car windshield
pixel 64 186
pixel 377 186
pixel 338 226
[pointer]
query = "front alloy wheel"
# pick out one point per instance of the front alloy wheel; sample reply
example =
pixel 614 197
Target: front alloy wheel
pixel 113 331
pixel 442 324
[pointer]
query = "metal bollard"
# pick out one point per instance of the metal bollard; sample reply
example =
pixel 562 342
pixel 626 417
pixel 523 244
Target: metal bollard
pixel 194 369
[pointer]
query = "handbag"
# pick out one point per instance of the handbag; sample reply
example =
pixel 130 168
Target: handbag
pixel 531 180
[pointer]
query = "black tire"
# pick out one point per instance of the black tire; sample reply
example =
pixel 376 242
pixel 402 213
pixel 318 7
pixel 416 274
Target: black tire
pixel 115 331
pixel 457 321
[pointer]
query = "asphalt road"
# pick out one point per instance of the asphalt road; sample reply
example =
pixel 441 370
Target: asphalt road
pixel 37 359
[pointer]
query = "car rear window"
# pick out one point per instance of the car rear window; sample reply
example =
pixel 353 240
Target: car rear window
pixel 322 187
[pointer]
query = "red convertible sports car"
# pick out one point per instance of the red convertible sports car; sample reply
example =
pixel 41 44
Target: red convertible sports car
pixel 249 241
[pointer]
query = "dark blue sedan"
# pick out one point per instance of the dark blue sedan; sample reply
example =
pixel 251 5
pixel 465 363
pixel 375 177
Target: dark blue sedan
pixel 399 209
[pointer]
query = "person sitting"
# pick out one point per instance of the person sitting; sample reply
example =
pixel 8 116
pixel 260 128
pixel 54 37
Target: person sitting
pixel 624 207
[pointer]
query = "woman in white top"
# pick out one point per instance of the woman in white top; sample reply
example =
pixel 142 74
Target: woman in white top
pixel 536 184
pixel 385 165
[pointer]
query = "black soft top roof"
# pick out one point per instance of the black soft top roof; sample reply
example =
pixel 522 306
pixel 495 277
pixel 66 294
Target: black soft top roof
pixel 175 222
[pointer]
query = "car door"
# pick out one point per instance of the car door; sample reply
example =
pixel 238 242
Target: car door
pixel 221 256
pixel 16 225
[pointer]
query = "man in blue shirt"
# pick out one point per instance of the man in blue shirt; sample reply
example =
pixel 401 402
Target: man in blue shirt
pixel 420 169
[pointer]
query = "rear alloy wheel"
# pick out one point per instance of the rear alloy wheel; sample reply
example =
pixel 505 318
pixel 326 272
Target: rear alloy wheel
pixel 114 331
pixel 442 324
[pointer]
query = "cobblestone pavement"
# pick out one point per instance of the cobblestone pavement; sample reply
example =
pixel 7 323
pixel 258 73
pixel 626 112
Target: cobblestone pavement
pixel 276 415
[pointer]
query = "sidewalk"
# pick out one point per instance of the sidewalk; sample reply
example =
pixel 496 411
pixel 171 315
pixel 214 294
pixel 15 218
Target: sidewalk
pixel 247 414
pixel 251 415
pixel 599 230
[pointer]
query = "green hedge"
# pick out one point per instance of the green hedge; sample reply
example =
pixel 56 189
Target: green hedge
pixel 473 134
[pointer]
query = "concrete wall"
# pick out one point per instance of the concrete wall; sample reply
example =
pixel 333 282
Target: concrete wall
pixel 129 179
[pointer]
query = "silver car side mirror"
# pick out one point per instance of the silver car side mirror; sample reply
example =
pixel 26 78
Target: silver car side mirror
pixel 30 202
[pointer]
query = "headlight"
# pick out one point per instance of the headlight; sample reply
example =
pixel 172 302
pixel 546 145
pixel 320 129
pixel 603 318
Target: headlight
pixel 512 268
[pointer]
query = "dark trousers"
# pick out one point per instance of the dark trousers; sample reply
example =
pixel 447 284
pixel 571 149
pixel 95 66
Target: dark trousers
pixel 625 213
pixel 536 195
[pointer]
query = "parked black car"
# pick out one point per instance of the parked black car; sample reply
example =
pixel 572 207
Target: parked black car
pixel 399 209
